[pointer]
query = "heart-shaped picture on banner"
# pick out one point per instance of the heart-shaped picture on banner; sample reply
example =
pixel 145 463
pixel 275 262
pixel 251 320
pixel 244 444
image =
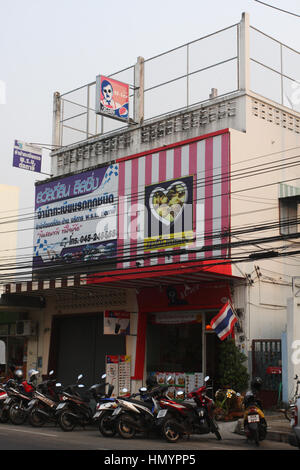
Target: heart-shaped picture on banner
pixel 167 204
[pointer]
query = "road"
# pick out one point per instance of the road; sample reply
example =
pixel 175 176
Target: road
pixel 50 438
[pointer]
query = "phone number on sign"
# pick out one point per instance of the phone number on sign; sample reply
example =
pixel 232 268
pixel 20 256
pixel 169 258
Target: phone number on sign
pixel 91 237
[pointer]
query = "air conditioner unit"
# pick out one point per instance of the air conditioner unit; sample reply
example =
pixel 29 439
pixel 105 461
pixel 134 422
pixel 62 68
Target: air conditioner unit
pixel 25 328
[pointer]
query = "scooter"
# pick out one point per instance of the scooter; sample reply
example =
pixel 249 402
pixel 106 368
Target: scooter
pixel 255 425
pixel 76 409
pixel 21 395
pixel 132 416
pixel 178 418
pixel 42 408
pixel 4 417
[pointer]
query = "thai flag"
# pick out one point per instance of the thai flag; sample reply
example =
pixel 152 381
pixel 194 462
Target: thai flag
pixel 224 321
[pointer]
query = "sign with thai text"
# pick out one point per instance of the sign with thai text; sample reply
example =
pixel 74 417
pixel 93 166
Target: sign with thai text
pixel 27 156
pixel 76 218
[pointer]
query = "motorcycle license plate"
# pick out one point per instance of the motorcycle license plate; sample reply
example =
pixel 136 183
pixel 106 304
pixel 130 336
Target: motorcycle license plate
pixel 253 418
pixel 161 413
pixel 117 411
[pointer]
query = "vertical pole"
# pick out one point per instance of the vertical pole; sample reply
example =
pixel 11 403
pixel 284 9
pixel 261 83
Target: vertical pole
pixel 244 52
pixel 187 75
pixel 281 72
pixel 138 115
pixel 56 137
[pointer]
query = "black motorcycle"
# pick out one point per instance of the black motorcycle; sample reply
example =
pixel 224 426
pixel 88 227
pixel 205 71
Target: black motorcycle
pixel 77 407
pixel 19 396
pixel 132 415
pixel 255 424
pixel 42 408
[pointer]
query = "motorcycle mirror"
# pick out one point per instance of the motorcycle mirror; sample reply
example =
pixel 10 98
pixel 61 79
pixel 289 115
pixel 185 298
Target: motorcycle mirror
pixel 206 378
pixel 169 378
pixel 124 390
pixel 103 376
pixel 81 385
pixel 58 384
pixel 51 372
pixel 143 389
pixel 180 393
pixel 79 376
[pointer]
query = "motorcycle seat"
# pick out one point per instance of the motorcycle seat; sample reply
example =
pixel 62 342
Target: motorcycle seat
pixel 140 402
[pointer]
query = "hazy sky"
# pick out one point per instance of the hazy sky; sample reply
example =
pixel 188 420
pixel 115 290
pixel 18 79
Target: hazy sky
pixel 58 45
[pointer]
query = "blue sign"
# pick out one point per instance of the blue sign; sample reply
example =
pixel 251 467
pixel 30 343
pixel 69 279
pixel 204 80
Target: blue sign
pixel 27 157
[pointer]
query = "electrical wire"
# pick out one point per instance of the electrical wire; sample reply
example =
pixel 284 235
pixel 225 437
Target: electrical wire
pixel 276 8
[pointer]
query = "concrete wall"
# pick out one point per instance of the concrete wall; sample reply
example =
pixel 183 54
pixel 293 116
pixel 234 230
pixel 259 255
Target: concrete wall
pixel 292 352
pixel 272 137
pixel 9 206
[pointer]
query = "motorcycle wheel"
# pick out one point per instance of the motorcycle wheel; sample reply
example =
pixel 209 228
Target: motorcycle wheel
pixel 35 419
pixel 169 431
pixel 105 427
pixel 125 430
pixel 65 422
pixel 17 415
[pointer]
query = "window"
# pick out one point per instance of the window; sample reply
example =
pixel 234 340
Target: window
pixel 289 215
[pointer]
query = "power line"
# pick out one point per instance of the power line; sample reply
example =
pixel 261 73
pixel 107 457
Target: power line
pixel 276 8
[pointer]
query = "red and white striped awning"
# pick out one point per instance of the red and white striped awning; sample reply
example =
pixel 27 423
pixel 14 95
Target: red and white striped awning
pixel 130 278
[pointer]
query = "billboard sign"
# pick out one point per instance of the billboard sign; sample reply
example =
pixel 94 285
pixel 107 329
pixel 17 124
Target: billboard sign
pixel 27 156
pixel 76 218
pixel 112 98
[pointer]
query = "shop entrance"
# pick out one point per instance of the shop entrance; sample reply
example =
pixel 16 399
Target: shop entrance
pixel 182 345
pixel 78 345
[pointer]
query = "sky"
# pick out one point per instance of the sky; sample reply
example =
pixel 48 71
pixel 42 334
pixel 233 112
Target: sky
pixel 60 45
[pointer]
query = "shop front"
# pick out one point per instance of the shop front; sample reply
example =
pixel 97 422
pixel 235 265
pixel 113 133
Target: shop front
pixel 179 341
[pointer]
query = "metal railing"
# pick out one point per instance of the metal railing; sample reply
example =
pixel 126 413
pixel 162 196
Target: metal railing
pixel 184 76
pixel 275 69
pixel 171 83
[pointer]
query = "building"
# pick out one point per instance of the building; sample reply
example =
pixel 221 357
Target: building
pixel 155 224
pixel 12 347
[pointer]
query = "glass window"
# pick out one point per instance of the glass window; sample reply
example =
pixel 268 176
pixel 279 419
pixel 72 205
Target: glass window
pixel 174 348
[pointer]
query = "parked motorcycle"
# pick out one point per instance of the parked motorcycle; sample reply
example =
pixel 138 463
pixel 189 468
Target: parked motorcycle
pixel 4 417
pixel 42 408
pixel 177 419
pixel 19 396
pixel 132 416
pixel 255 425
pixel 79 408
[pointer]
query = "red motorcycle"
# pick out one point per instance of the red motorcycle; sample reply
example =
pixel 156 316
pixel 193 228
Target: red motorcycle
pixel 177 419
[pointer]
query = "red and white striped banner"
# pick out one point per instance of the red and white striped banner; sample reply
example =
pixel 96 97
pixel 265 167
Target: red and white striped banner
pixel 207 160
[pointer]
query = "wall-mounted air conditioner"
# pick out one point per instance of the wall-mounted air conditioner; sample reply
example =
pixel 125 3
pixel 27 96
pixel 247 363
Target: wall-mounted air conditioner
pixel 25 328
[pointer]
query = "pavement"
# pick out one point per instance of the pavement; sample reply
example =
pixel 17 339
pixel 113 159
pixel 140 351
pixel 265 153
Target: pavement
pixel 279 428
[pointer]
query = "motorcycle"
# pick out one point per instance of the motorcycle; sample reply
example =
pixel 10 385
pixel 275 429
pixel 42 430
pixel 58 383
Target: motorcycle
pixel 132 416
pixel 255 425
pixel 76 408
pixel 177 419
pixel 19 396
pixel 42 408
pixel 4 417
